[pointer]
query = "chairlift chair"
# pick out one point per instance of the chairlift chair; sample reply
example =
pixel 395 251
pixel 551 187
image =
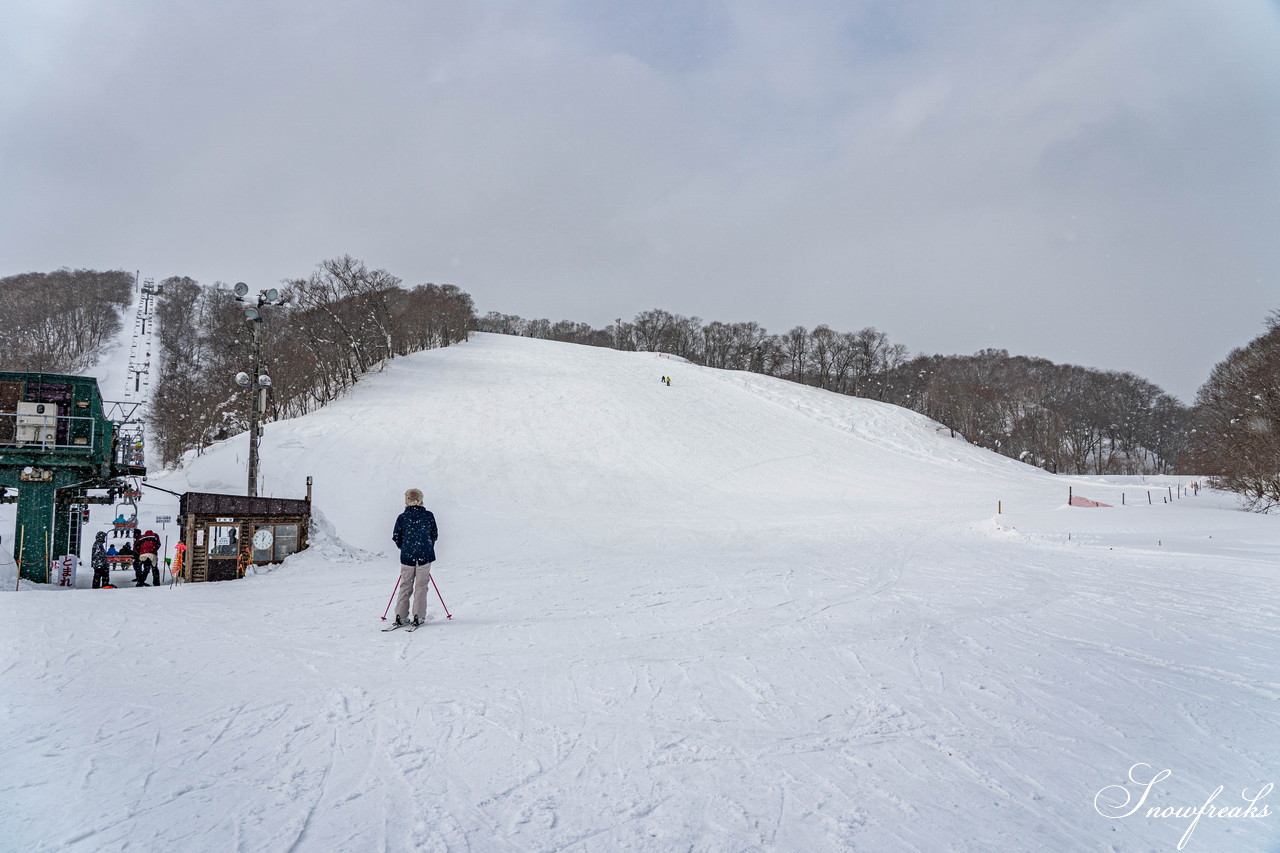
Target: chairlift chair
pixel 122 522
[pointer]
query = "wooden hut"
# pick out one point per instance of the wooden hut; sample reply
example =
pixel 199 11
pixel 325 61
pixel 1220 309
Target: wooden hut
pixel 225 534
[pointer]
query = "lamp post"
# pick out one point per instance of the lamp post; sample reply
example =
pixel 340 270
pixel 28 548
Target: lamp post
pixel 259 381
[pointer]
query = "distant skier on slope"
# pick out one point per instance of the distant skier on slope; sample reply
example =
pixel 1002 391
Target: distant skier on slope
pixel 415 535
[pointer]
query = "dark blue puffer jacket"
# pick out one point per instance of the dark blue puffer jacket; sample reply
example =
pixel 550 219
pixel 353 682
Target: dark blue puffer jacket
pixel 416 536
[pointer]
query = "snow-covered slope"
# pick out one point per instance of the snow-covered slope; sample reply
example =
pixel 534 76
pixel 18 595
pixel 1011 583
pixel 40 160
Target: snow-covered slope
pixel 728 614
pixel 508 434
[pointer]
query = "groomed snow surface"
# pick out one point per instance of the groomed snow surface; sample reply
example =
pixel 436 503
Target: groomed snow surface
pixel 730 614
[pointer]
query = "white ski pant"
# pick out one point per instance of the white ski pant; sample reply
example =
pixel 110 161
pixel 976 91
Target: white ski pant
pixel 415 581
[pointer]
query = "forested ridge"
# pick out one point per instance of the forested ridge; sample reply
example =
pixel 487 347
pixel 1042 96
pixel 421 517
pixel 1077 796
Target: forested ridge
pixel 56 322
pixel 1064 418
pixel 344 320
pixel 337 324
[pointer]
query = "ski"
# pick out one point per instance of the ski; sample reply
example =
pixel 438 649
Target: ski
pixel 409 625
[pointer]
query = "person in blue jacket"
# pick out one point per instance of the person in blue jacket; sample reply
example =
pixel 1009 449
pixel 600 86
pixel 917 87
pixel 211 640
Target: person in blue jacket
pixel 415 535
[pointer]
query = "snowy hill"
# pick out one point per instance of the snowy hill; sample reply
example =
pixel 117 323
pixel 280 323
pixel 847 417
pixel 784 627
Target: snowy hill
pixel 510 434
pixel 729 614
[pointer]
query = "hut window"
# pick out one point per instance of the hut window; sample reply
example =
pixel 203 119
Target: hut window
pixel 286 540
pixel 222 541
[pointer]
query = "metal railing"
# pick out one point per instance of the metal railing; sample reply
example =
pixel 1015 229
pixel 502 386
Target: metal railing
pixel 48 432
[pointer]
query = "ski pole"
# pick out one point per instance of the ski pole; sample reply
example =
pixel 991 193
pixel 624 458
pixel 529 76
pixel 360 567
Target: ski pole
pixel 447 614
pixel 389 600
pixel 22 543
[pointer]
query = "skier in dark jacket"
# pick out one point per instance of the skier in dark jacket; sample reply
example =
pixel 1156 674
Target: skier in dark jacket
pixel 415 535
pixel 98 559
pixel 139 571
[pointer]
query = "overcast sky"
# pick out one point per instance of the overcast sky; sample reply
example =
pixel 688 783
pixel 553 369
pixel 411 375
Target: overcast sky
pixel 1089 181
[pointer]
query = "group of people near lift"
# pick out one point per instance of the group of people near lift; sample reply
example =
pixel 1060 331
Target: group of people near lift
pixel 144 549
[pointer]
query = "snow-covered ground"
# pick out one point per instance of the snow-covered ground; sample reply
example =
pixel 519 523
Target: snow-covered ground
pixel 730 614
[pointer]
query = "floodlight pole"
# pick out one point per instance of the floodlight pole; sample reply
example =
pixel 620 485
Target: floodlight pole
pixel 259 382
pixel 255 411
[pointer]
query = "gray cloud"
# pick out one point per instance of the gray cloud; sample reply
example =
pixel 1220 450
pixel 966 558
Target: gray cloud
pixel 1095 183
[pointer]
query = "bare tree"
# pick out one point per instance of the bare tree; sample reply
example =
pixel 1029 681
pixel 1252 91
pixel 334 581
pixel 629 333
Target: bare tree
pixel 795 345
pixel 653 330
pixel 1237 437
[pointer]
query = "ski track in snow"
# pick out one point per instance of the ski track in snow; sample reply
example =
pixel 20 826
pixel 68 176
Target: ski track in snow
pixel 730 614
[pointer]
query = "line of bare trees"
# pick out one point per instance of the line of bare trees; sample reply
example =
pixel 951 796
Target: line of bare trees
pixel 1060 417
pixel 57 322
pixel 845 362
pixel 340 322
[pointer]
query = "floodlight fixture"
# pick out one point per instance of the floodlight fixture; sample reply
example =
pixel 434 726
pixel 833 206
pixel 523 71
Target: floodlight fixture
pixel 252 315
pixel 242 379
pixel 264 381
pixel 242 290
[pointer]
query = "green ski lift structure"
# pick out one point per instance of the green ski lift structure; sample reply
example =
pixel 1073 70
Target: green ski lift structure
pixel 57 444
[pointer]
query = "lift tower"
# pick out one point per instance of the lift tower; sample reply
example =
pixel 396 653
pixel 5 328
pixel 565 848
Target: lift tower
pixel 55 445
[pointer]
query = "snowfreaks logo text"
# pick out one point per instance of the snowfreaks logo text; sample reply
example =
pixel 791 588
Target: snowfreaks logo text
pixel 1121 801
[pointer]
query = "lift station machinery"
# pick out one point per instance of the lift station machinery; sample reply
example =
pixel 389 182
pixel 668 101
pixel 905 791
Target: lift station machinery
pixel 56 446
